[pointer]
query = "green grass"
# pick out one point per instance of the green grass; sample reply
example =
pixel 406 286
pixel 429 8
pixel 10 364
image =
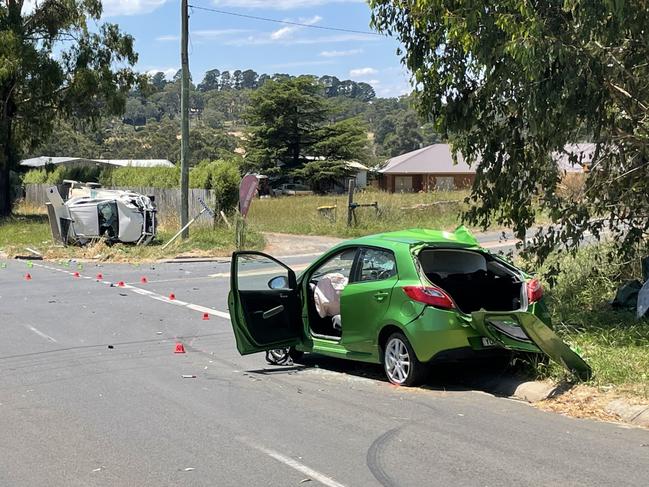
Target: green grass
pixel 28 227
pixel 299 215
pixel 613 342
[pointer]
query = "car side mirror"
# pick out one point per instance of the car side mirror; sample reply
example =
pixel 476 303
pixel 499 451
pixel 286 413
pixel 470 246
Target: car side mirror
pixel 279 282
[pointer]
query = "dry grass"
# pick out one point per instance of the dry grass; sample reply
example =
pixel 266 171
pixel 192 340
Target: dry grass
pixel 299 214
pixel 29 227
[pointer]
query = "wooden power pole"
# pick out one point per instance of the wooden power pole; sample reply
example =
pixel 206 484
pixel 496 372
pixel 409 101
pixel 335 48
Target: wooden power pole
pixel 184 117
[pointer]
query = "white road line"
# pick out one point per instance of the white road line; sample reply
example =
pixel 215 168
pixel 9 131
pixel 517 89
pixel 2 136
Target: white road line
pixel 41 334
pixel 294 464
pixel 142 292
pixel 210 311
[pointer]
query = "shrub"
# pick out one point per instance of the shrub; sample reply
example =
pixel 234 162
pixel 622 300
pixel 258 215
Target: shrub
pixel 221 176
pixel 150 177
pixel 51 174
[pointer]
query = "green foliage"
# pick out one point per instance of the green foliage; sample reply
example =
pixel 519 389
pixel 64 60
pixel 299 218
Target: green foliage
pixel 323 175
pixel 345 140
pixel 51 174
pixel 284 116
pixel 224 180
pixel 141 177
pixel 614 343
pixel 399 133
pixel 52 64
pixel 512 82
pixel 289 127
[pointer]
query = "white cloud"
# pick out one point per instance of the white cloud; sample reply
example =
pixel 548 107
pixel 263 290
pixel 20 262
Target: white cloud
pixel 112 7
pixel 362 72
pixel 350 52
pixel 279 4
pixel 282 33
pixel 257 40
pixel 214 33
pixel 130 7
pixel 167 38
pixel 297 64
pixel 374 82
pixel 169 72
pixel 287 31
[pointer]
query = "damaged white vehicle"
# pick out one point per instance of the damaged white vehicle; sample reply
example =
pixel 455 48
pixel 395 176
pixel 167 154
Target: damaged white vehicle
pixel 90 212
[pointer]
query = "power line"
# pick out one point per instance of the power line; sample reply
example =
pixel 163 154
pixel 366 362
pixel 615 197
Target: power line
pixel 287 22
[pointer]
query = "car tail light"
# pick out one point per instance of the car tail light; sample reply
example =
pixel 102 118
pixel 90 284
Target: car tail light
pixel 534 291
pixel 431 295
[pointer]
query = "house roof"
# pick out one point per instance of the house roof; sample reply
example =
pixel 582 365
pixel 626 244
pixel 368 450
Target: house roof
pixel 43 160
pixel 583 152
pixel 437 159
pixel 432 159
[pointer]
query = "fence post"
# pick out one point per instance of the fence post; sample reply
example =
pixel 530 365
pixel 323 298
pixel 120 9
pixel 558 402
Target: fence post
pixel 350 202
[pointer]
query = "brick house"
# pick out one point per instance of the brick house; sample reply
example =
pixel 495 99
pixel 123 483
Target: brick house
pixel 427 169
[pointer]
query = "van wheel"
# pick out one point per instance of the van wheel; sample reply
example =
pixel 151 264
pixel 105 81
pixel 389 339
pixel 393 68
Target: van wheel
pixel 400 362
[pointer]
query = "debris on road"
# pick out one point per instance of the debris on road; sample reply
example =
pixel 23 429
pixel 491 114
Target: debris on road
pixel 188 376
pixel 35 252
pixel 110 347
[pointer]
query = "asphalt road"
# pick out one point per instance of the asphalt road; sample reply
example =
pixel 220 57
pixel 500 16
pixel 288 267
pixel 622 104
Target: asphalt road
pixel 91 393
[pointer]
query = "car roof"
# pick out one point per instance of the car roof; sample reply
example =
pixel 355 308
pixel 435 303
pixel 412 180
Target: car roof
pixel 461 237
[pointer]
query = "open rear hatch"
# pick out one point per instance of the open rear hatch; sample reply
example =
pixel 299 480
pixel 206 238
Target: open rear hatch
pixel 520 330
pixel 496 296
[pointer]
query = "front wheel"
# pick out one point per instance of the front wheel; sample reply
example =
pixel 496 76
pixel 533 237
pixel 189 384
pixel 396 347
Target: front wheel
pixel 400 363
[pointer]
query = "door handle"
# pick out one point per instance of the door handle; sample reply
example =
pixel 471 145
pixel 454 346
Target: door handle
pixel 381 295
pixel 272 312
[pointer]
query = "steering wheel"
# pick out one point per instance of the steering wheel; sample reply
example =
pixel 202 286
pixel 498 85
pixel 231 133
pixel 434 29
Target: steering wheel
pixel 384 274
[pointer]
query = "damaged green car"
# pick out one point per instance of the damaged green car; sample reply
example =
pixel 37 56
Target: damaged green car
pixel 401 299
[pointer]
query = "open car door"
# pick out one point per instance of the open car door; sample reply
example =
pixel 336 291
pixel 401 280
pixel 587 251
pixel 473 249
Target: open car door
pixel 520 330
pixel 264 303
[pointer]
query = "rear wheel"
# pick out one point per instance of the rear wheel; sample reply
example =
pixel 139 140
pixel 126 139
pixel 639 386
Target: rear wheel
pixel 400 363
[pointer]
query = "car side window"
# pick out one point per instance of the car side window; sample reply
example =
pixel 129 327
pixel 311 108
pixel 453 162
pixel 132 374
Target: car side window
pixel 376 265
pixel 341 263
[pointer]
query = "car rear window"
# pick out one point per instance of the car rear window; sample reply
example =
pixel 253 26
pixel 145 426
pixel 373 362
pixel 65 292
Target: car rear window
pixel 445 262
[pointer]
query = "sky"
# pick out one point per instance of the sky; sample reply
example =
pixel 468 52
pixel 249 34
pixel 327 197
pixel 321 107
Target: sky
pixel 227 42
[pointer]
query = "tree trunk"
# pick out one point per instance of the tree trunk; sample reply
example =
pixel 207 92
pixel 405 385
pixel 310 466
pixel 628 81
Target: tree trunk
pixel 5 165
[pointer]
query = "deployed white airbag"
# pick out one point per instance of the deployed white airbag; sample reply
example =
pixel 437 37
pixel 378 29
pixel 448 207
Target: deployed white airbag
pixel 327 294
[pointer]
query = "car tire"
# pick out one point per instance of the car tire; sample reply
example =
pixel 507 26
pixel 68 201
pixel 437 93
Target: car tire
pixel 400 363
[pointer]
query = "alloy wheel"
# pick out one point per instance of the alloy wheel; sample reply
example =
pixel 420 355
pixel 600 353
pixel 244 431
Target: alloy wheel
pixel 397 361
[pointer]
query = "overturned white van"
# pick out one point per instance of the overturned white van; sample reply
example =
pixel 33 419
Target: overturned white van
pixel 90 212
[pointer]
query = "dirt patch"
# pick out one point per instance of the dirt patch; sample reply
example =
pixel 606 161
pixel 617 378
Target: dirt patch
pixel 288 244
pixel 587 402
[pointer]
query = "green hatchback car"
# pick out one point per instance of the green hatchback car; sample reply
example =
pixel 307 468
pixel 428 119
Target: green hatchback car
pixel 401 299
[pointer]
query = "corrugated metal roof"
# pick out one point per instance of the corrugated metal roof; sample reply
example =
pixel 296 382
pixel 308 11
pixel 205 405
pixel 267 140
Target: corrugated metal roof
pixel 44 160
pixel 435 158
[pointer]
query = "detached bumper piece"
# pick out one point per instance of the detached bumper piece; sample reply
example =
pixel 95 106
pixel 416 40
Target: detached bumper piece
pixel 523 331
